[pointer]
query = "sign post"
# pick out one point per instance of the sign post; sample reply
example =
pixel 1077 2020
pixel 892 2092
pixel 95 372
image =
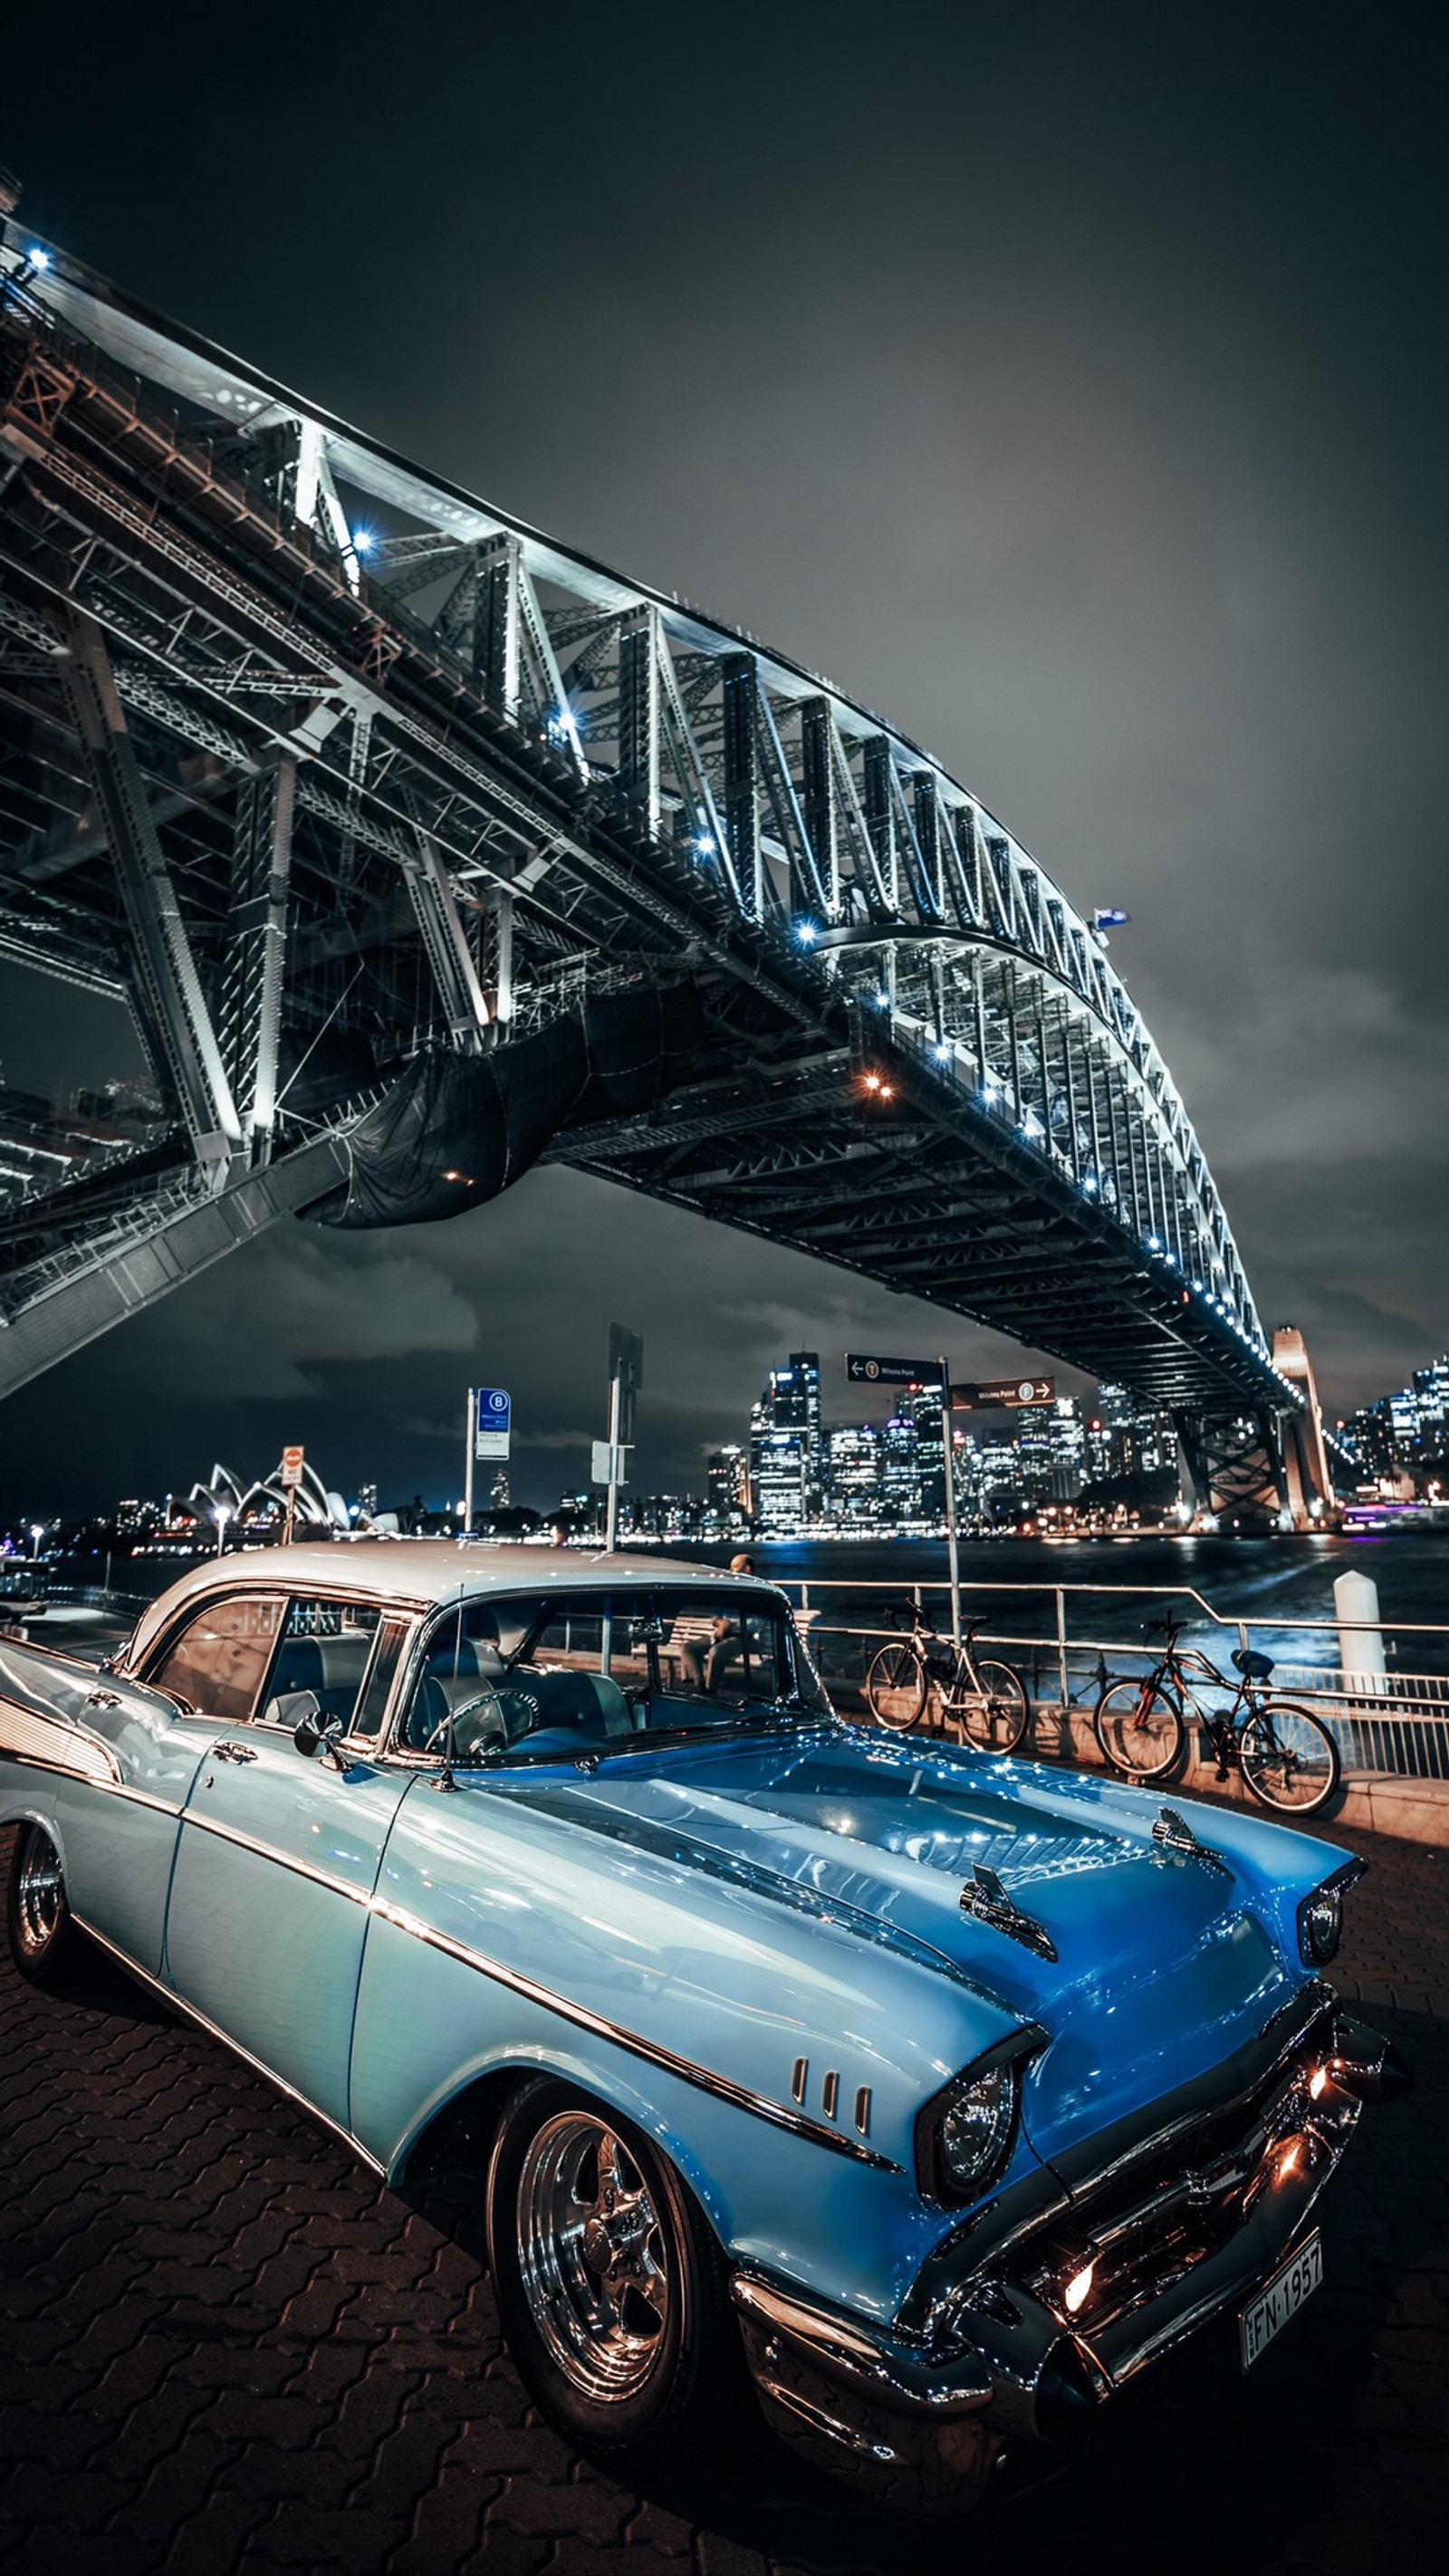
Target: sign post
pixel 489 1432
pixel 626 1376
pixel 291 1478
pixel 948 1447
pixel 869 1369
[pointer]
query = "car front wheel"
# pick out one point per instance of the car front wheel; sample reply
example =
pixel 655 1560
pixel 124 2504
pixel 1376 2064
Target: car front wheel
pixel 44 1942
pixel 610 2286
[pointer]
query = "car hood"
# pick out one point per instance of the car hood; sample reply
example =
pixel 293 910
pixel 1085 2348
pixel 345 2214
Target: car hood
pixel 1164 1962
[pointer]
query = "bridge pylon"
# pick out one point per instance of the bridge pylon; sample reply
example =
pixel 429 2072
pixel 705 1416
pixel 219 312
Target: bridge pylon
pixel 1272 1460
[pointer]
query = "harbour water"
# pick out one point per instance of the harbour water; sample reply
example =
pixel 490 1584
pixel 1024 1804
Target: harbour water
pixel 1276 1583
pixel 1279 1582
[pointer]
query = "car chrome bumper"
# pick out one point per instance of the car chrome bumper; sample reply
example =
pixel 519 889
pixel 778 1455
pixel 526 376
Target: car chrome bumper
pixel 918 2416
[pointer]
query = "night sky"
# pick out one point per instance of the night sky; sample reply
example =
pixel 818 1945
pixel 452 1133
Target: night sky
pixel 1068 384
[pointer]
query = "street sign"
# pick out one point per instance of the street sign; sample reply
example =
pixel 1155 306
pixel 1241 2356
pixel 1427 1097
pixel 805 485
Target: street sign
pixel 291 1475
pixel 492 1422
pixel 866 1370
pixel 1010 1393
pixel 610 1463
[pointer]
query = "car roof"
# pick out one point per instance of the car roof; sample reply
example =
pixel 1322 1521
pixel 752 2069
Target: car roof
pixel 415 1573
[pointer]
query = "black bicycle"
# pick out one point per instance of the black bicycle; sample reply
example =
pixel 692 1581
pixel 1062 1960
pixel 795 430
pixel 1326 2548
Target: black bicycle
pixel 1285 1754
pixel 986 1699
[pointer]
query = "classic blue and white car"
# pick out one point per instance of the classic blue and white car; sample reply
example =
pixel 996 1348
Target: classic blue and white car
pixel 951 2091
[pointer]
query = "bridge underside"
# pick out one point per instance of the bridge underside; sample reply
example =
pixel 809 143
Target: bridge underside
pixel 320 823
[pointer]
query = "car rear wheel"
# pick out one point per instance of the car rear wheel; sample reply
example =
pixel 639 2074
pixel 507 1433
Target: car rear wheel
pixel 1289 1759
pixel 610 2286
pixel 44 1942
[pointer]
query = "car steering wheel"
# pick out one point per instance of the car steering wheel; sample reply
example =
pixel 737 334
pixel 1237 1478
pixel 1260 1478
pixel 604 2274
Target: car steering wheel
pixel 436 1741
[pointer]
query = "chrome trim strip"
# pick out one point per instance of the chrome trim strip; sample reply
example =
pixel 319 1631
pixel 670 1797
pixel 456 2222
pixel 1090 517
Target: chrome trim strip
pixel 704 2078
pixel 739 2096
pixel 282 1860
pixel 192 2012
pixel 142 1798
pixel 36 1736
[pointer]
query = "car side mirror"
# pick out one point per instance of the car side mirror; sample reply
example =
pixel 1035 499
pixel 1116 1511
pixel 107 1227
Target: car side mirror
pixel 313 1733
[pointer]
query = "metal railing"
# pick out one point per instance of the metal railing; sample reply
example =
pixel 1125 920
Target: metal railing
pixel 1394 1721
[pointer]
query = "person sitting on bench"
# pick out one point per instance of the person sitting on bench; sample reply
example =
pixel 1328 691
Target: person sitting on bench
pixel 705 1660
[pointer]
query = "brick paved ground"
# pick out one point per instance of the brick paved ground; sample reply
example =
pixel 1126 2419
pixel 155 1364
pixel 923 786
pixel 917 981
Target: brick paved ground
pixel 224 2347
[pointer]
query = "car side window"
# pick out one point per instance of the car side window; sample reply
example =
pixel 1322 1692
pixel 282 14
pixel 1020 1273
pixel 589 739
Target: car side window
pixel 325 1648
pixel 217 1666
pixel 372 1707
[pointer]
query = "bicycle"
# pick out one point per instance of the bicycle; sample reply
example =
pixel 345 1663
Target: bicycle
pixel 1285 1754
pixel 987 1698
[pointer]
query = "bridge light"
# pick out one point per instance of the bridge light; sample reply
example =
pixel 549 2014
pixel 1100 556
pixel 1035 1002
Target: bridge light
pixel 887 1091
pixel 806 933
pixel 363 541
pixel 881 999
pixel 37 258
pixel 943 1051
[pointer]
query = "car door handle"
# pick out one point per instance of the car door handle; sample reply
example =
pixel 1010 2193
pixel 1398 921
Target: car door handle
pixel 233 1753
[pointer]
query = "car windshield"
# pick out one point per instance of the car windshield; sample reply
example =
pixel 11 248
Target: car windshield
pixel 594 1672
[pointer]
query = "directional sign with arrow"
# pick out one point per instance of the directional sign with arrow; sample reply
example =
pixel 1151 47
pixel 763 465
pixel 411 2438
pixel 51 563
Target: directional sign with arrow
pixel 866 1370
pixel 1010 1393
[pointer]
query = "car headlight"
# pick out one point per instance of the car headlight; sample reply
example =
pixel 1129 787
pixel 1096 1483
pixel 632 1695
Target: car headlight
pixel 964 2135
pixel 1320 1916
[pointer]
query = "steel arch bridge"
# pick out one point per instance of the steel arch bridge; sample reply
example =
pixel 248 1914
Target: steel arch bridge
pixel 328 769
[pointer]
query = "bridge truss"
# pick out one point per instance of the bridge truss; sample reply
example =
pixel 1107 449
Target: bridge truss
pixel 315 761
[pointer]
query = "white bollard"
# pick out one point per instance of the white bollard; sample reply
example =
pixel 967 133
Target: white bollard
pixel 1360 1642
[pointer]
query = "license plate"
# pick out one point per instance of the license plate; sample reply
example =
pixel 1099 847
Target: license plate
pixel 1282 2298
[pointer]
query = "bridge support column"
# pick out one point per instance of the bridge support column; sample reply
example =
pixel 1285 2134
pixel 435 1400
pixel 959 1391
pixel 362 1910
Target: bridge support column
pixel 250 1008
pixel 639 650
pixel 742 779
pixel 431 895
pixel 172 1006
pixel 817 802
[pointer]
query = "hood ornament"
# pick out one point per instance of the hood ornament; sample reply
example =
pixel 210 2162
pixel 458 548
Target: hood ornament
pixel 984 1897
pixel 1176 1835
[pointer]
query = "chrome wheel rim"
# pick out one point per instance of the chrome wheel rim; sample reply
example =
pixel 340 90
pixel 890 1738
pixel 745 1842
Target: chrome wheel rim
pixel 39 1895
pixel 592 2256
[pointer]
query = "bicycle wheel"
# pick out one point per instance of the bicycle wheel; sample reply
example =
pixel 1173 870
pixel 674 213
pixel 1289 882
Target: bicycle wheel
pixel 895 1687
pixel 1138 1728
pixel 1289 1759
pixel 993 1708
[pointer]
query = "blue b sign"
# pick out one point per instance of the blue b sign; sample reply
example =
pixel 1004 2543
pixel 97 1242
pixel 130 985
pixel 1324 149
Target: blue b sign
pixel 492 1423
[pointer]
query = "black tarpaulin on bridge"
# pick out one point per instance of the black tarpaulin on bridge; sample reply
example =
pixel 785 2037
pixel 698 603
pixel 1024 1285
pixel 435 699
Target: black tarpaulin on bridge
pixel 455 1130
